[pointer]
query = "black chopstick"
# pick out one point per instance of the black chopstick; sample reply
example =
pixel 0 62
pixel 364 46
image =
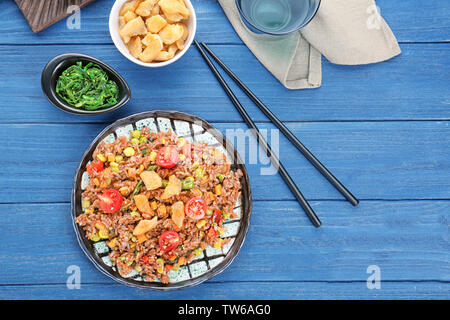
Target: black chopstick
pixel 291 137
pixel 266 147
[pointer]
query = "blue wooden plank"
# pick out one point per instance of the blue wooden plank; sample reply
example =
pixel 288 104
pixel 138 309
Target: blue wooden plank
pixel 375 160
pixel 430 23
pixel 237 291
pixel 408 240
pixel 413 86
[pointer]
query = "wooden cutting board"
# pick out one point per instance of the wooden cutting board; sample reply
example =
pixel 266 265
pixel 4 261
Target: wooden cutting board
pixel 42 13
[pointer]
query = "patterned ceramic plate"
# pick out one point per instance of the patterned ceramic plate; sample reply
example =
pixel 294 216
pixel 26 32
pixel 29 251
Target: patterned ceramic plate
pixel 212 261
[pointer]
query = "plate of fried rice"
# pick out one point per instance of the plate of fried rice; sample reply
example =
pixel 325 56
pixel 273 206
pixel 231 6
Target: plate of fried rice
pixel 161 200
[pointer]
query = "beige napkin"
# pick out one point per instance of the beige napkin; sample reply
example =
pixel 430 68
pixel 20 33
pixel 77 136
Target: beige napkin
pixel 348 32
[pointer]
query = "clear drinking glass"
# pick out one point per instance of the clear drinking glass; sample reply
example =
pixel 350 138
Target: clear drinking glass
pixel 277 17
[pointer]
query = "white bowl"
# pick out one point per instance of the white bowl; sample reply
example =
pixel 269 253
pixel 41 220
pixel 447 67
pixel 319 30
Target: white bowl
pixel 120 45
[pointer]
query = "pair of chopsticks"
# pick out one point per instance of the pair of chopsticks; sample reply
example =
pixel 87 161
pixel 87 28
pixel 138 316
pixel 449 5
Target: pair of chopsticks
pixel 266 147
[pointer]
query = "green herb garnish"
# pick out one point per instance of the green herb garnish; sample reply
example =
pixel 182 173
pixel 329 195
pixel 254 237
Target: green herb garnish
pixel 88 88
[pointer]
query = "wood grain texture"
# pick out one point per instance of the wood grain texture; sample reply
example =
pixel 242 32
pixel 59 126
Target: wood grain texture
pixel 375 160
pixel 413 86
pixel 430 23
pixel 40 14
pixel 383 130
pixel 238 290
pixel 408 240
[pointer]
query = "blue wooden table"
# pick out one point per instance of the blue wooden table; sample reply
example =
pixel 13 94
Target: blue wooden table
pixel 382 129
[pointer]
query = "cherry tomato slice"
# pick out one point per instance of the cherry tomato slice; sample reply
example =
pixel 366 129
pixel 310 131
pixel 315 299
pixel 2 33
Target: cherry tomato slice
pixel 212 233
pixel 167 157
pixel 110 200
pixel 217 216
pixel 94 166
pixel 169 240
pixel 145 259
pixel 195 208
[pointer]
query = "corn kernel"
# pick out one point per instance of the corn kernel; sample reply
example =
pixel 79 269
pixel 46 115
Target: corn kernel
pixel 96 181
pixel 136 133
pixel 129 152
pixel 119 158
pixel 115 169
pixel 85 204
pixel 198 252
pixel 181 142
pixel 133 245
pixel 218 243
pixel 182 157
pixel 103 233
pixel 154 205
pixel 160 262
pixel 113 164
pixel 182 261
pixel 143 140
pixel 137 268
pixel 160 269
pixel 163 141
pixel 201 223
pixel 141 168
pixel 218 189
pixel 100 226
pixel 133 239
pixel 101 157
pixel 204 156
pixel 111 158
pixel 153 155
pixel 176 267
pixel 134 141
pixel 88 211
pixel 195 165
pixel 197 192
pixel 95 237
pixel 112 243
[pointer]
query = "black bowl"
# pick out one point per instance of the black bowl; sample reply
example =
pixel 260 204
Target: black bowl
pixel 58 64
pixel 245 206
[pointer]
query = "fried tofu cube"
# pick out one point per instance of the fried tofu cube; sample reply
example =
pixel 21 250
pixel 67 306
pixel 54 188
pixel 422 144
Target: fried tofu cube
pixel 185 31
pixel 168 53
pixel 174 7
pixel 121 22
pixel 154 47
pixel 173 18
pixel 135 46
pixel 133 28
pixel 144 9
pixel 130 15
pixel 155 10
pixel 180 43
pixel 171 33
pixel 155 23
pixel 128 6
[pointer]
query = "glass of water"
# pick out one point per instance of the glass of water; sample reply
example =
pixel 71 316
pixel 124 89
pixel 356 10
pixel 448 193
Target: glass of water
pixel 277 17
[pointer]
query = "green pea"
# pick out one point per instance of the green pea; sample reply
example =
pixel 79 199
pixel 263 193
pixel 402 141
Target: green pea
pixel 144 152
pixel 187 183
pixel 198 173
pixel 152 168
pixel 164 183
pixel 143 140
pixel 220 177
